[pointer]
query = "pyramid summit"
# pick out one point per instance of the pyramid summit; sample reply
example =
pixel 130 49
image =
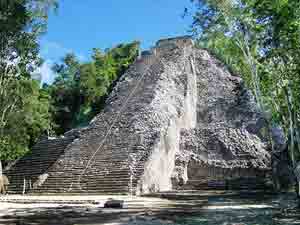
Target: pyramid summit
pixel 177 119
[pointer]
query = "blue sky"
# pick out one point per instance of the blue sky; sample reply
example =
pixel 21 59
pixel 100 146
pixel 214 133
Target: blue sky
pixel 79 26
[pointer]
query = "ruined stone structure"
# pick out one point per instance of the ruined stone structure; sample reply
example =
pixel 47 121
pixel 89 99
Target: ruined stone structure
pixel 177 119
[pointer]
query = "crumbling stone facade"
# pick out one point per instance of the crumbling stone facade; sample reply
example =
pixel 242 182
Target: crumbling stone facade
pixel 177 119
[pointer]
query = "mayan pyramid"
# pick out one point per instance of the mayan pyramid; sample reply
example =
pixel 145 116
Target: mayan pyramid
pixel 177 119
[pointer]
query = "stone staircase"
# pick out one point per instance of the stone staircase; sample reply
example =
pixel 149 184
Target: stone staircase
pixel 226 184
pixel 27 169
pixel 109 173
pixel 110 170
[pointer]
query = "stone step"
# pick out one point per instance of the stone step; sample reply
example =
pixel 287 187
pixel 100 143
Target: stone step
pixel 33 171
pixel 113 159
pixel 50 146
pixel 68 179
pixel 91 167
pixel 82 192
pixel 83 185
pixel 46 157
pixel 76 186
pixel 45 146
pixel 79 191
pixel 86 155
pixel 56 184
pixel 52 151
pixel 89 173
pixel 101 179
pixel 220 185
pixel 94 177
pixel 29 163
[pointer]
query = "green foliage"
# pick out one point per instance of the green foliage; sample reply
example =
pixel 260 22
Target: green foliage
pixel 79 89
pixel 24 108
pixel 21 22
pixel 24 117
pixel 260 40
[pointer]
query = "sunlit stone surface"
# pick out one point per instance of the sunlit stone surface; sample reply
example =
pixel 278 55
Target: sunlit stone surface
pixel 177 119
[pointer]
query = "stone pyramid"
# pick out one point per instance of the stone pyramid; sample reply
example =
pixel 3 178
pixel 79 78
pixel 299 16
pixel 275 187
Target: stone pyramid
pixel 177 119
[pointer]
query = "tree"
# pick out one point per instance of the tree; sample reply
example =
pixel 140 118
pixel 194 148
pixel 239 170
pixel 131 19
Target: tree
pixel 65 94
pixel 260 41
pixel 23 106
pixel 80 89
pixel 281 45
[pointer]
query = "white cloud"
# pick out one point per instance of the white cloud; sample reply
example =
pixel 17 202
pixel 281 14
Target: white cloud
pixel 81 57
pixel 55 51
pixel 46 73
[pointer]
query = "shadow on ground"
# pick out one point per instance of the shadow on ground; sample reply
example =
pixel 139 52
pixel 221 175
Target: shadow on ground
pixel 188 209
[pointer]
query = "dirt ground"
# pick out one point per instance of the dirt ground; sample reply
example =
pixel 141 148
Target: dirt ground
pixel 207 208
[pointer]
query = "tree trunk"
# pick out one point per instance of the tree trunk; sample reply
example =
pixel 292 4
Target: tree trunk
pixel 291 123
pixel 0 168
